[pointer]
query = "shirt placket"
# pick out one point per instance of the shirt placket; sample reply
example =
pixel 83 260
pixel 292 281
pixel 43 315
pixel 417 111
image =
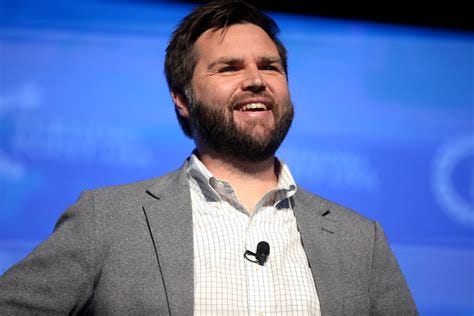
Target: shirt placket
pixel 260 296
pixel 259 279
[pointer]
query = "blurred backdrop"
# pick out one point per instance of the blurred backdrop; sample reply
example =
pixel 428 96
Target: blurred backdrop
pixel 384 125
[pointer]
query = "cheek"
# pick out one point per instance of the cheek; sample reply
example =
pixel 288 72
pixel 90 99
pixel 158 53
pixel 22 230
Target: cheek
pixel 214 91
pixel 279 87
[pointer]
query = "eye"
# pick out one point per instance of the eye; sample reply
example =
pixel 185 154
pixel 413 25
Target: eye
pixel 271 67
pixel 227 69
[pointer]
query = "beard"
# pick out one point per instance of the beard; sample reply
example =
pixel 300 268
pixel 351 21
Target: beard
pixel 253 141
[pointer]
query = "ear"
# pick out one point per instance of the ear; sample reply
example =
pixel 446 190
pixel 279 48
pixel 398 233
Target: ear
pixel 180 103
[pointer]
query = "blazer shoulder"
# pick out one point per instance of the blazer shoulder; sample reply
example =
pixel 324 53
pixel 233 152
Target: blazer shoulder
pixel 137 188
pixel 330 209
pixel 130 196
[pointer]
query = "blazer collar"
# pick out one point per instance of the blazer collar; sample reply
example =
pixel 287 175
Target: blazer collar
pixel 319 235
pixel 169 216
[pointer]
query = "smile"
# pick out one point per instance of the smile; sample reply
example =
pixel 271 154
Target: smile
pixel 253 107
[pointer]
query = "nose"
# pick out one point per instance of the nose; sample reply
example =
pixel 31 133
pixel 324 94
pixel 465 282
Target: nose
pixel 253 81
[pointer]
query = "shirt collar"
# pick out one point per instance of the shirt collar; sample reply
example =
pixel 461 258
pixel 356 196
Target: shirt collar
pixel 198 171
pixel 286 186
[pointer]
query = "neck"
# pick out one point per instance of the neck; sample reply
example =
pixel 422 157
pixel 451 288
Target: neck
pixel 250 180
pixel 227 168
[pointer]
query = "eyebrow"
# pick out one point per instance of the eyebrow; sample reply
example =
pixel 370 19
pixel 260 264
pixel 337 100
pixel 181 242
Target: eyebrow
pixel 271 60
pixel 226 61
pixel 236 61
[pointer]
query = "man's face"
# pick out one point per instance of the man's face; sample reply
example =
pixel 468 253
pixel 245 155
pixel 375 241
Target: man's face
pixel 240 102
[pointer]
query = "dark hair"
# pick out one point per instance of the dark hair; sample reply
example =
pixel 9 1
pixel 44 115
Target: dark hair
pixel 180 58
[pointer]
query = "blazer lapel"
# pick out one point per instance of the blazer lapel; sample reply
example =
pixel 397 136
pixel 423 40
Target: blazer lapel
pixel 319 238
pixel 169 216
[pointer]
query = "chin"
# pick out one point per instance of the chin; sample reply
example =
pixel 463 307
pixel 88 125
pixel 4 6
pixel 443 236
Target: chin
pixel 258 132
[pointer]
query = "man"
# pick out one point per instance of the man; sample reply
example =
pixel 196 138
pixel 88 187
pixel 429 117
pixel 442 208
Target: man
pixel 176 244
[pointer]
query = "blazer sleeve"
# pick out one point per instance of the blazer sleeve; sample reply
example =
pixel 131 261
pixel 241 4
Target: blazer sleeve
pixel 57 277
pixel 388 290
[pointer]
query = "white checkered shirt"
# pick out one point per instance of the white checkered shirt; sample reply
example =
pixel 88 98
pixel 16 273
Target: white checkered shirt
pixel 225 283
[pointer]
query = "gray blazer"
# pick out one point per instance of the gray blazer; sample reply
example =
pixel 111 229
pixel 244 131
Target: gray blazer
pixel 129 250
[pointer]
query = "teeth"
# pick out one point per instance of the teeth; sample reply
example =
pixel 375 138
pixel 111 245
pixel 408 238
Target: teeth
pixel 254 106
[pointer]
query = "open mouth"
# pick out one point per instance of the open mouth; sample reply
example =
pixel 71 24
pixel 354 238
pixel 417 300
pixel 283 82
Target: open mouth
pixel 252 107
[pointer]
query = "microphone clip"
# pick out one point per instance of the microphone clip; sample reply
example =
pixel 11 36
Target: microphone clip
pixel 263 250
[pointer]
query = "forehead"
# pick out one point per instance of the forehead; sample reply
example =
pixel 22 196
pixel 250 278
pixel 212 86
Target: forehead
pixel 238 40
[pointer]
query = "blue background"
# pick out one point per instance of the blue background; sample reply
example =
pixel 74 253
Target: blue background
pixel 384 125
